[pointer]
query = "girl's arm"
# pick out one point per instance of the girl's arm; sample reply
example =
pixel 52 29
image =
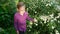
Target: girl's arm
pixel 15 22
pixel 30 19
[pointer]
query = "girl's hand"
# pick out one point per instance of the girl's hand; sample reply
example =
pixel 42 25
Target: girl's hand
pixel 35 20
pixel 17 32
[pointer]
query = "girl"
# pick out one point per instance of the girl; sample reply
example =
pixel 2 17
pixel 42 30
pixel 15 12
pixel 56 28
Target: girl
pixel 20 18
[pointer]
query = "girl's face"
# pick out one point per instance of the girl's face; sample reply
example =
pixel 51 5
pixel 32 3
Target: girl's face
pixel 22 8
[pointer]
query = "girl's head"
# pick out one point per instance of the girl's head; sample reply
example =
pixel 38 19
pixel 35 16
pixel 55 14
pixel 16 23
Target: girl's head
pixel 21 6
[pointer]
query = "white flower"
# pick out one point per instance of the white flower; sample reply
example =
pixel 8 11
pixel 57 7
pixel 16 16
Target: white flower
pixel 36 24
pixel 30 26
pixel 40 22
pixel 35 12
pixel 57 17
pixel 51 15
pixel 51 33
pixel 47 4
pixel 44 17
pixel 31 23
pixel 59 14
pixel 1 29
pixel 52 20
pixel 53 27
pixel 56 31
pixel 58 21
pixel 44 21
pixel 58 7
pixel 29 30
pixel 42 0
pixel 48 12
pixel 51 3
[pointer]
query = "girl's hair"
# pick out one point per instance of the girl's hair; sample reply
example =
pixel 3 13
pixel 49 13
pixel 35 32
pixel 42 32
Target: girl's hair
pixel 20 4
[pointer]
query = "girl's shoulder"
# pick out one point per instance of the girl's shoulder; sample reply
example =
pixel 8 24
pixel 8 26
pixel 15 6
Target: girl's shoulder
pixel 16 14
pixel 26 13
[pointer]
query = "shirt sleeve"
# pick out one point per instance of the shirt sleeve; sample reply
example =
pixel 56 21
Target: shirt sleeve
pixel 29 18
pixel 15 22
